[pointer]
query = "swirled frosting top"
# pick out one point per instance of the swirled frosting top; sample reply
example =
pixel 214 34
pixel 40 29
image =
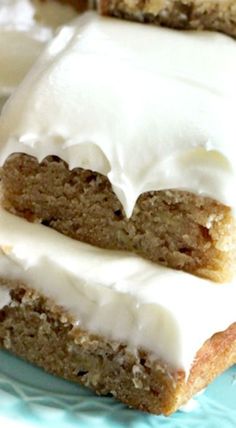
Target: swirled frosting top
pixel 151 108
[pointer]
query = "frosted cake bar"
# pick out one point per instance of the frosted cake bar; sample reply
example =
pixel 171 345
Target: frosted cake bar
pixel 106 149
pixel 111 320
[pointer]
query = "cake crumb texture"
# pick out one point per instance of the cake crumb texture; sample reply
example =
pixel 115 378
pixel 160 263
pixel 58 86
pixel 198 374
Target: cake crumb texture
pixel 37 330
pixel 216 15
pixel 175 228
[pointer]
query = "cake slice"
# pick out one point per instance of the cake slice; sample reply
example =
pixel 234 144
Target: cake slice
pixel 216 15
pixel 149 335
pixel 136 156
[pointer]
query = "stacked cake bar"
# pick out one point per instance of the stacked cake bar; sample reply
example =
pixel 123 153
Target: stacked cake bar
pixel 117 221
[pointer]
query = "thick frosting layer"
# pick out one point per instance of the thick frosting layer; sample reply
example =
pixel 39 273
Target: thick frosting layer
pixel 25 27
pixel 149 107
pixel 117 294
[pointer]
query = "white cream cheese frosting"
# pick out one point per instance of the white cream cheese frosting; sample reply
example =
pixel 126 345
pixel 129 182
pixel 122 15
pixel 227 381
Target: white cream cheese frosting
pixel 25 27
pixel 117 294
pixel 149 107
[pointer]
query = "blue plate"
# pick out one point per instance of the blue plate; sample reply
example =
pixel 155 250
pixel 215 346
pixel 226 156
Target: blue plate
pixel 34 399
